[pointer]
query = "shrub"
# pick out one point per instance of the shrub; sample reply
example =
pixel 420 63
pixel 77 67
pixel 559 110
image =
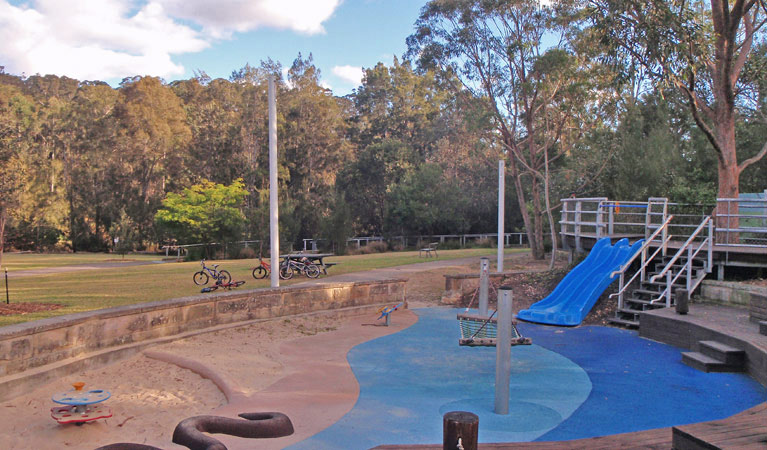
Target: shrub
pixel 246 253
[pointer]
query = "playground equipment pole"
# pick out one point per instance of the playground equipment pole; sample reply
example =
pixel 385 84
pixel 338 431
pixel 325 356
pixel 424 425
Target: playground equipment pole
pixel 274 228
pixel 501 212
pixel 503 351
pixel 484 278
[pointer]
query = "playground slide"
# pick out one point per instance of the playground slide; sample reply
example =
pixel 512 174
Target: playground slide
pixel 576 294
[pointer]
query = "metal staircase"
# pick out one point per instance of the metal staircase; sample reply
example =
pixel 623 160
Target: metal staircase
pixel 659 276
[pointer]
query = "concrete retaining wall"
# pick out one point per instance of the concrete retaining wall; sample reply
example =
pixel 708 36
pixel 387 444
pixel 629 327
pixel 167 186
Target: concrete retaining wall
pixel 456 286
pixel 737 294
pixel 53 347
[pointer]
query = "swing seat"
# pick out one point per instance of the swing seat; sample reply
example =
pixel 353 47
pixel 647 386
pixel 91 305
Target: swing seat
pixel 480 331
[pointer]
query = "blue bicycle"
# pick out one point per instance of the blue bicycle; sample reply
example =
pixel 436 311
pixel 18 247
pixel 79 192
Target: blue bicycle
pixel 202 277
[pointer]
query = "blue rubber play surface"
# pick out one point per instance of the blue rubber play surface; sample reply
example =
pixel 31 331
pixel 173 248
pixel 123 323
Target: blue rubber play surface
pixel 571 383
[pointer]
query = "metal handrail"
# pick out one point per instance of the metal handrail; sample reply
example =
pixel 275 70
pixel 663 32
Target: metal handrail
pixel 644 246
pixel 681 250
pixel 645 261
pixel 687 268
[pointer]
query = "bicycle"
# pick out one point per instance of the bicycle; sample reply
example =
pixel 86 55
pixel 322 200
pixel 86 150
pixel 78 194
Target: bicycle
pixel 262 270
pixel 227 286
pixel 291 266
pixel 202 277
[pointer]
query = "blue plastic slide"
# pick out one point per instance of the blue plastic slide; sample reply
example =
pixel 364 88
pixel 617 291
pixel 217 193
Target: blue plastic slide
pixel 576 294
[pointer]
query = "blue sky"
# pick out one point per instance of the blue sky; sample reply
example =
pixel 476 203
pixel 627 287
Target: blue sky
pixel 112 39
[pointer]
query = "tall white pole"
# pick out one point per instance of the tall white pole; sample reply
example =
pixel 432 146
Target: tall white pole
pixel 484 282
pixel 501 212
pixel 503 351
pixel 274 222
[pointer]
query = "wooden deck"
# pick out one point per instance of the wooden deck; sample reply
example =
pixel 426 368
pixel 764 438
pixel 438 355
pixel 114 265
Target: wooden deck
pixel 723 255
pixel 742 431
pixel 745 430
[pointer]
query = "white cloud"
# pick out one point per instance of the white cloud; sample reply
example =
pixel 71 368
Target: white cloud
pixel 104 39
pixel 221 18
pixel 351 74
pixel 93 39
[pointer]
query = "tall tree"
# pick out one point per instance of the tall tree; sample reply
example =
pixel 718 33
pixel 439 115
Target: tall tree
pixel 701 48
pixel 151 135
pixel 516 56
pixel 16 117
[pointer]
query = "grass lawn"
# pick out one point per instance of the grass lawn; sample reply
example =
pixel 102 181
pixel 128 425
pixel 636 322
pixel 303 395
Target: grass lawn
pixel 27 261
pixel 87 290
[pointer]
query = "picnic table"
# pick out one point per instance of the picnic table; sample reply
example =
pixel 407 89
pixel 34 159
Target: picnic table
pixel 314 258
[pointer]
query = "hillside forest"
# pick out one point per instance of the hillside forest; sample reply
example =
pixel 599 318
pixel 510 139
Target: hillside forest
pixel 414 150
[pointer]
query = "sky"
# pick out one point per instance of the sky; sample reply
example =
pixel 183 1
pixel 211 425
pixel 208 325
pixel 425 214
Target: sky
pixel 110 40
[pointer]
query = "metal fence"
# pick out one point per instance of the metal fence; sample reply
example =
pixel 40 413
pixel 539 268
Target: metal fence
pixel 739 222
pixel 458 240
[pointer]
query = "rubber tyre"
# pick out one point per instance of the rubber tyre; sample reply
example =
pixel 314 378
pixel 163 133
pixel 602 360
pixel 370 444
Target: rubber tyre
pixel 312 271
pixel 224 277
pixel 200 278
pixel 259 273
pixel 286 273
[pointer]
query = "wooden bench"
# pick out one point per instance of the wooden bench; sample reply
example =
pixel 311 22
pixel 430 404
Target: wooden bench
pixel 325 267
pixel 428 250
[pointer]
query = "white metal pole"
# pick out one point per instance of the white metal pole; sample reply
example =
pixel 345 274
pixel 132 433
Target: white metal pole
pixel 501 205
pixel 274 222
pixel 484 278
pixel 503 352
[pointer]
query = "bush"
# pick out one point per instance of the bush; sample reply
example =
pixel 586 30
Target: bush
pixel 371 247
pixel 246 253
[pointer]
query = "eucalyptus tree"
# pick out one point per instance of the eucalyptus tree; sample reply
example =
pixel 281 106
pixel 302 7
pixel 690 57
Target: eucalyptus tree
pixel 151 137
pixel 313 144
pixel 517 56
pixel 701 48
pixel 16 117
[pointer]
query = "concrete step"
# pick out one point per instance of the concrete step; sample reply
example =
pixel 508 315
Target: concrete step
pixel 646 300
pixel 707 364
pixel 763 327
pixel 624 322
pixel 729 355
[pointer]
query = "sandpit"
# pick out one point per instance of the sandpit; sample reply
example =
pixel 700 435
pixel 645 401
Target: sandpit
pixel 266 367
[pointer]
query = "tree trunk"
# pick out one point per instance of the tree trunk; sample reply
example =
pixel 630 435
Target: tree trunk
pixel 522 203
pixel 538 249
pixel 729 179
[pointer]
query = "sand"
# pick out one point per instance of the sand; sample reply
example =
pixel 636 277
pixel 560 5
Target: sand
pixel 293 365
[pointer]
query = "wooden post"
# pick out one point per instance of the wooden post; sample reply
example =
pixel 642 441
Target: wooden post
pixel 682 300
pixel 460 425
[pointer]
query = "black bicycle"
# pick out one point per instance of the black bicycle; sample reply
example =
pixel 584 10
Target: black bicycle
pixel 204 275
pixel 303 265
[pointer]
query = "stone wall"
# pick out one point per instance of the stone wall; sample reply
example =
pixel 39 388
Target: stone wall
pixel 56 346
pixel 456 286
pixel 736 294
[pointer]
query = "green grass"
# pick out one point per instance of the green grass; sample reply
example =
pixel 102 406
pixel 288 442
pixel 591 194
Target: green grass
pixel 88 290
pixel 27 261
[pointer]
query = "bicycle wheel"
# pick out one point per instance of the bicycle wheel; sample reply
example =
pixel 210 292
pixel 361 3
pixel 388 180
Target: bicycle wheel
pixel 286 272
pixel 260 273
pixel 312 271
pixel 224 277
pixel 200 278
